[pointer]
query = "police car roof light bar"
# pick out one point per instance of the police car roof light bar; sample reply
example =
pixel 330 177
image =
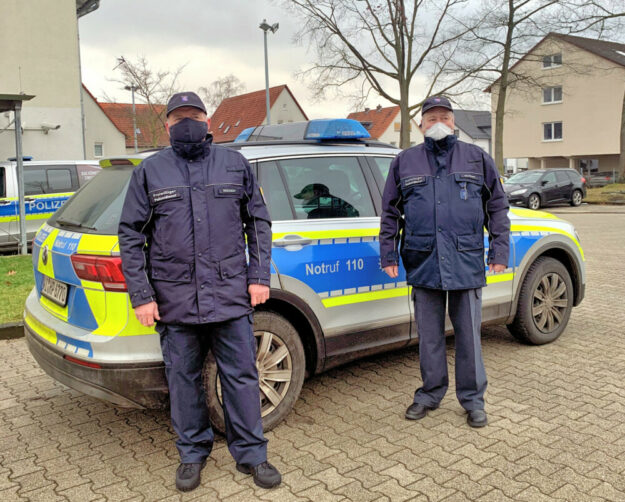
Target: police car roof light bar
pixel 313 130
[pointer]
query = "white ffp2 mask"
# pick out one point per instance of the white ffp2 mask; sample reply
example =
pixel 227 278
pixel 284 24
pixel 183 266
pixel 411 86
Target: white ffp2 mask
pixel 438 131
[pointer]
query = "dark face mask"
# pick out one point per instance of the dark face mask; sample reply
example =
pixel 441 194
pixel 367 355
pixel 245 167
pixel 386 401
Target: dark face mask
pixel 187 137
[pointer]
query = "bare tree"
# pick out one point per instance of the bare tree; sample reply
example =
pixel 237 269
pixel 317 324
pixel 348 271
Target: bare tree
pixel 151 86
pixel 220 89
pixel 507 29
pixel 384 46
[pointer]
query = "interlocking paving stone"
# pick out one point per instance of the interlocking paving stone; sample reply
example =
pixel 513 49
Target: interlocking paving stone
pixel 556 431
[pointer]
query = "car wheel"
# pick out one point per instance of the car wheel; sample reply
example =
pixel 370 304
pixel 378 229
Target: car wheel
pixel 533 202
pixel 281 364
pixel 576 198
pixel 545 303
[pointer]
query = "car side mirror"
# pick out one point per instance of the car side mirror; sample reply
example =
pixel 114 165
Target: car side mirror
pixel 544 182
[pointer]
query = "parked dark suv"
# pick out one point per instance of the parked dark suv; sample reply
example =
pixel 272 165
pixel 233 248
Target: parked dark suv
pixel 541 187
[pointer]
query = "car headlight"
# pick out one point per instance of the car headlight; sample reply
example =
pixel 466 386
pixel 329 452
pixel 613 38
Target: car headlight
pixel 519 192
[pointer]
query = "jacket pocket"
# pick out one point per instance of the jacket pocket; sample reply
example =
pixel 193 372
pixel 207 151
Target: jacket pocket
pixel 170 271
pixel 233 266
pixel 231 190
pixel 470 242
pixel 415 242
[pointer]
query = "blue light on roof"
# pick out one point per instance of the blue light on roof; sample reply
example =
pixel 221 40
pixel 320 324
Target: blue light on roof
pixel 325 129
pixel 244 134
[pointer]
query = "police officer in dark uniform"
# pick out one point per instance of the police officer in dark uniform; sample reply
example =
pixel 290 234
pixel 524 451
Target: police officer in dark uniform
pixel 188 212
pixel 439 197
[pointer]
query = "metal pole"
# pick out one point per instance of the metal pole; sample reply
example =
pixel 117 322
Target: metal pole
pixel 20 177
pixel 134 117
pixel 267 79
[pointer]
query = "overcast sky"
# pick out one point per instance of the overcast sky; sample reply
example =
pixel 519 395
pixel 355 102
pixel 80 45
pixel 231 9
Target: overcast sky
pixel 213 37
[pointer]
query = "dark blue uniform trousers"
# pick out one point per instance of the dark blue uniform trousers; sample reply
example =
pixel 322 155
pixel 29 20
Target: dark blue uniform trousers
pixel 465 312
pixel 184 349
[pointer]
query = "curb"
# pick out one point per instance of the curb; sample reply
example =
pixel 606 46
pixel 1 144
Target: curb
pixel 11 330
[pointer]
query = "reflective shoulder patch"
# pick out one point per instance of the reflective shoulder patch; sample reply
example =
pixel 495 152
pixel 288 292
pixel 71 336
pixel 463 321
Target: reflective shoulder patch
pixel 164 194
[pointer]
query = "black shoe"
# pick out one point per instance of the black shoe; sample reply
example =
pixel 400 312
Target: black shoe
pixel 265 475
pixel 417 411
pixel 477 418
pixel 188 476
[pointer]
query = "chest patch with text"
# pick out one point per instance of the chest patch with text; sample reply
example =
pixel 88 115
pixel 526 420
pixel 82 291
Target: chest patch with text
pixel 165 194
pixel 414 180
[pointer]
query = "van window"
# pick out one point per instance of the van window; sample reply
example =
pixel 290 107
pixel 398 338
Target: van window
pixel 35 181
pixel 274 191
pixel 59 180
pixel 99 203
pixel 327 187
pixel 49 179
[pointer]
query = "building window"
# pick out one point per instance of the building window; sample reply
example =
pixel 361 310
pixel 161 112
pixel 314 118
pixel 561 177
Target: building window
pixel 552 61
pixel 98 149
pixel 552 94
pixel 552 131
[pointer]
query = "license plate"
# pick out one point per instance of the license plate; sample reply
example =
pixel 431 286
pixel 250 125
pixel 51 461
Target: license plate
pixel 54 290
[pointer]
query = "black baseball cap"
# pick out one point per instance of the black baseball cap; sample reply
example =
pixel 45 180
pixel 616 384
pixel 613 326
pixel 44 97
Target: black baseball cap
pixel 187 98
pixel 433 102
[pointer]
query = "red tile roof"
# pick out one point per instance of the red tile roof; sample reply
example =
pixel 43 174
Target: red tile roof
pixel 152 131
pixel 246 110
pixel 380 118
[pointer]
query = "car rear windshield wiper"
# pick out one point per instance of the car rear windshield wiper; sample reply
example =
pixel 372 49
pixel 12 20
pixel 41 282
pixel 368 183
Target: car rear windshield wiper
pixel 70 223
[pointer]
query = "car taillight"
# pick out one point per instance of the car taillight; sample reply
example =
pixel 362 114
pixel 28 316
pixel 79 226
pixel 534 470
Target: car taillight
pixel 82 363
pixel 104 269
pixel 583 180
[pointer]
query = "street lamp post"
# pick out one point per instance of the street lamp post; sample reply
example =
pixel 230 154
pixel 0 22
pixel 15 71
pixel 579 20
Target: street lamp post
pixel 273 28
pixel 132 89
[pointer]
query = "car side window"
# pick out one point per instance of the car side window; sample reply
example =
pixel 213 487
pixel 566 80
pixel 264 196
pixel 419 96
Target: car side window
pixel 59 180
pixel 35 181
pixel 274 191
pixel 3 190
pixel 327 187
pixel 383 165
pixel 549 179
pixel 562 177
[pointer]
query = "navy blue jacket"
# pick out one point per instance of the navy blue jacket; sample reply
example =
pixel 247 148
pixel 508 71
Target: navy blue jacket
pixel 437 200
pixel 195 217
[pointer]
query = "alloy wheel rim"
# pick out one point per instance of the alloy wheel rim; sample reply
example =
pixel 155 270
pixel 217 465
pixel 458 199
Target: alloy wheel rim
pixel 275 371
pixel 534 202
pixel 550 303
pixel 577 198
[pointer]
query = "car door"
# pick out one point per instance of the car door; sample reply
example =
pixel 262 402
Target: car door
pixel 549 187
pixel 565 185
pixel 326 251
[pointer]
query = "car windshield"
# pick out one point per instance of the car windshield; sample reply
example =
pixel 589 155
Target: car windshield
pixel 524 177
pixel 96 207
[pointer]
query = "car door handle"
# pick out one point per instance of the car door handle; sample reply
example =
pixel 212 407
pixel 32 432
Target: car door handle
pixel 292 240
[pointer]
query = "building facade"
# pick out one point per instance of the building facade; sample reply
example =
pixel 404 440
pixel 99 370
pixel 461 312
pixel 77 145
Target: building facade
pixel 565 108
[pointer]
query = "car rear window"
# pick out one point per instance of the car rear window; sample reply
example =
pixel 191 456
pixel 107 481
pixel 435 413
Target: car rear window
pixel 97 206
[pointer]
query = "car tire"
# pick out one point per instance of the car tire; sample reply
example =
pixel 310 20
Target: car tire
pixel 545 303
pixel 533 201
pixel 576 198
pixel 275 336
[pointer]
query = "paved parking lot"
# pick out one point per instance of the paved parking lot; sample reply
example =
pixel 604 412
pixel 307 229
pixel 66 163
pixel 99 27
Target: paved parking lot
pixel 556 421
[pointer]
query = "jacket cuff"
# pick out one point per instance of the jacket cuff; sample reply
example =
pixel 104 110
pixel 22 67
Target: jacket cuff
pixel 141 297
pixel 499 259
pixel 389 259
pixel 258 280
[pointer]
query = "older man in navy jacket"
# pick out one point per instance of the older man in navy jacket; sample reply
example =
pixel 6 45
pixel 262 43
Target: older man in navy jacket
pixel 188 212
pixel 439 197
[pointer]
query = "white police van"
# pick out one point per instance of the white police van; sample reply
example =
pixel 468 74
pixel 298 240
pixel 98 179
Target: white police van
pixel 47 185
pixel 330 301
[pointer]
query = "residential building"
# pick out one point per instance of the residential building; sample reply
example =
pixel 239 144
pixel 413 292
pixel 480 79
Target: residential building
pixel 40 56
pixel 237 113
pixel 565 104
pixel 150 120
pixel 102 136
pixel 384 124
pixel 474 126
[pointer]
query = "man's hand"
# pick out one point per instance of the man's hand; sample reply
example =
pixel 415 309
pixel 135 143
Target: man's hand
pixel 147 314
pixel 392 271
pixel 259 293
pixel 496 268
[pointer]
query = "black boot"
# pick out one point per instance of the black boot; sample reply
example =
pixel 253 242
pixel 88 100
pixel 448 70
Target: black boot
pixel 188 476
pixel 265 475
